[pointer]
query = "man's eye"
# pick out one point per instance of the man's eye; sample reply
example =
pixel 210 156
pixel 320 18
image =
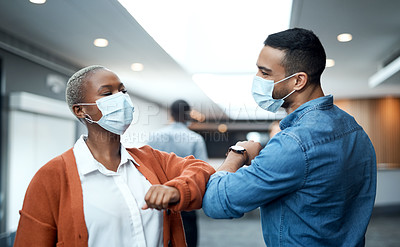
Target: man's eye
pixel 106 93
pixel 124 91
pixel 264 73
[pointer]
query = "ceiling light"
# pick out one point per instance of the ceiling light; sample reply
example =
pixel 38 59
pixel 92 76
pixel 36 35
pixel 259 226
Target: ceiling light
pixel 222 128
pixel 385 74
pixel 100 42
pixel 344 37
pixel 38 1
pixel 137 67
pixel 330 63
pixel 197 116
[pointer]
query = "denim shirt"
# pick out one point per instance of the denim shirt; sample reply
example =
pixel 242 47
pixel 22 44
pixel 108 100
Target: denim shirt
pixel 315 181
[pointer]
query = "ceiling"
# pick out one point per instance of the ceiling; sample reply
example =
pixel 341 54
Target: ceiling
pixel 375 26
pixel 67 29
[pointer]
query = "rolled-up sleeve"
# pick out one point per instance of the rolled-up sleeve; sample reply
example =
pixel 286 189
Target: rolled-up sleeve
pixel 280 168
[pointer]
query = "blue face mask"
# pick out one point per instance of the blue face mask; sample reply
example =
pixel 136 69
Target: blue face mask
pixel 117 111
pixel 262 93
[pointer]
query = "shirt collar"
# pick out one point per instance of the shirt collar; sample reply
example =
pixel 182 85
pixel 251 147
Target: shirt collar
pixel 125 156
pixel 294 117
pixel 87 163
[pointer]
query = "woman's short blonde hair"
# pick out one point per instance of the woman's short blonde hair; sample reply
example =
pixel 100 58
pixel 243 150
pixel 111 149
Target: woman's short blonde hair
pixel 74 92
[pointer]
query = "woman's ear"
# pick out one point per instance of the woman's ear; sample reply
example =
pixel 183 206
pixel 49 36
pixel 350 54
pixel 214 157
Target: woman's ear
pixel 78 111
pixel 301 81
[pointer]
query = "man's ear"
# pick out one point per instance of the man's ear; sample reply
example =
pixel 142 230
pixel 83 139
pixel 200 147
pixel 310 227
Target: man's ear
pixel 78 111
pixel 301 81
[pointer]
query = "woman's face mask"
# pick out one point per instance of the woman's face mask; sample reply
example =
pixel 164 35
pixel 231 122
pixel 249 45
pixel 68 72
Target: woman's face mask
pixel 117 111
pixel 262 93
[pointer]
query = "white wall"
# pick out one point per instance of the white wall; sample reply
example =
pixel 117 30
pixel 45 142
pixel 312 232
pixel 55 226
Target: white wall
pixel 40 128
pixel 34 139
pixel 388 187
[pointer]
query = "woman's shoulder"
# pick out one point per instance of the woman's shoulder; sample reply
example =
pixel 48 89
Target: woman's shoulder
pixel 145 150
pixel 147 153
pixel 56 167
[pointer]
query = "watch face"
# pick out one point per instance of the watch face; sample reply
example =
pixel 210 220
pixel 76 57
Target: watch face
pixel 238 148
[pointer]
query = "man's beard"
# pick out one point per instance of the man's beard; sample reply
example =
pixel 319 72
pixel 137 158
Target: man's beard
pixel 281 94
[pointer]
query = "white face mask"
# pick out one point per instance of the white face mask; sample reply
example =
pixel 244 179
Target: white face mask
pixel 117 111
pixel 262 93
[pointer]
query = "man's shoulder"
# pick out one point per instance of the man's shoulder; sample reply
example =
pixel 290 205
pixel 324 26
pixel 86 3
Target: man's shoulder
pixel 194 133
pixel 321 126
pixel 159 135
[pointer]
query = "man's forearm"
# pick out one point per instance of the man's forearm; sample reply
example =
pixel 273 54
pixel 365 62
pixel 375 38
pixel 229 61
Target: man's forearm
pixel 232 162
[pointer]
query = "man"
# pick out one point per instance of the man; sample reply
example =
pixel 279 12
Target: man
pixel 315 181
pixel 177 138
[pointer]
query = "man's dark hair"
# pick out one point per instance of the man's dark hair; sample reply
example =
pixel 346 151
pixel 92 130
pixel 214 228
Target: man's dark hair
pixel 180 111
pixel 303 52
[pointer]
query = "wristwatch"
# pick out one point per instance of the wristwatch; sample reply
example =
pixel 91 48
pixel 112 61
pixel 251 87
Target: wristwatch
pixel 239 150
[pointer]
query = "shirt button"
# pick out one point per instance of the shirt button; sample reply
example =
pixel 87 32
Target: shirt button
pixel 169 243
pixel 168 212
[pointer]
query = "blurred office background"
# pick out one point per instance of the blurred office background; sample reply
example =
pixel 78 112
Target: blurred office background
pixel 203 52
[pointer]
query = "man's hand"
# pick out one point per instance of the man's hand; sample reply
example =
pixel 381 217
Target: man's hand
pixel 253 149
pixel 160 196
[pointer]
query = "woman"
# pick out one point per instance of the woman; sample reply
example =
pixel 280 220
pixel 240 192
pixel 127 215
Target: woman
pixel 101 194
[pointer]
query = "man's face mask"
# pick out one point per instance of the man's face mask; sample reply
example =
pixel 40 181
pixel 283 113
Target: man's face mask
pixel 262 93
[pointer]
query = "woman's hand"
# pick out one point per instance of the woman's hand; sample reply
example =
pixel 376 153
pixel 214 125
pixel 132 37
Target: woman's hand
pixel 160 196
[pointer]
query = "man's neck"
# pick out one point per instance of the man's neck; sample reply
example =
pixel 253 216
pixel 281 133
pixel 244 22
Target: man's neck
pixel 305 96
pixel 175 122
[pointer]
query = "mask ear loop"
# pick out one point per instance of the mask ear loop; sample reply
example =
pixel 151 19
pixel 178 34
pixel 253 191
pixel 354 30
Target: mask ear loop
pixel 87 116
pixel 284 79
pixel 294 90
pixel 89 119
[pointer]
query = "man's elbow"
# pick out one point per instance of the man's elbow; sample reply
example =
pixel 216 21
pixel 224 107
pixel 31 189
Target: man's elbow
pixel 213 211
pixel 213 208
pixel 215 203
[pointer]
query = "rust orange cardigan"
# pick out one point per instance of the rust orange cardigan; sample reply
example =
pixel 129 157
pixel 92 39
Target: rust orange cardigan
pixel 52 214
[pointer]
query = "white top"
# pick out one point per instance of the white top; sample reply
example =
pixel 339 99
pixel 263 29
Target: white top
pixel 112 202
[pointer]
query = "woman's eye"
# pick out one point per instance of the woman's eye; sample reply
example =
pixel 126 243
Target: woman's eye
pixel 124 91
